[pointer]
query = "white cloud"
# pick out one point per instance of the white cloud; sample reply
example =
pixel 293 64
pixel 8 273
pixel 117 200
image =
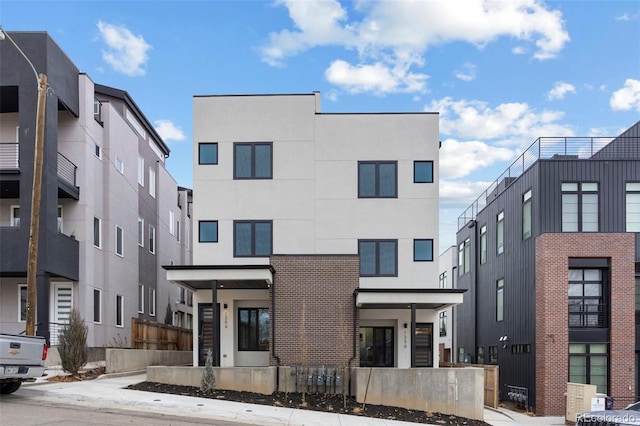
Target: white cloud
pixel 467 73
pixel 628 97
pixel 126 52
pixel 378 78
pixel 169 131
pixel 459 159
pixel 560 89
pixel 392 34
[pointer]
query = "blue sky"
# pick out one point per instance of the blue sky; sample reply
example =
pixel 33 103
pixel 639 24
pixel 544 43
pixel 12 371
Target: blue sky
pixel 501 73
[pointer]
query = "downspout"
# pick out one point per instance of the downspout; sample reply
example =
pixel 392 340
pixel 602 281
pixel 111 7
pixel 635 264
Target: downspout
pixel 273 330
pixel 476 264
pixel 355 333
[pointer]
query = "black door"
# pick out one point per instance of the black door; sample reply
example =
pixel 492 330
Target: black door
pixel 207 333
pixel 424 345
pixel 376 347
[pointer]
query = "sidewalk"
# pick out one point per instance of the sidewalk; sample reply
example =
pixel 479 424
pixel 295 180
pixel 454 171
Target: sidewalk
pixel 107 392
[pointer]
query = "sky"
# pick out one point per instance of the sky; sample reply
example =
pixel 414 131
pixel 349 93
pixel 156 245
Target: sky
pixel 500 73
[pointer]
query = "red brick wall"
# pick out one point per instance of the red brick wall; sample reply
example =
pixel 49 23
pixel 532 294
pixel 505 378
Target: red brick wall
pixel 552 327
pixel 314 309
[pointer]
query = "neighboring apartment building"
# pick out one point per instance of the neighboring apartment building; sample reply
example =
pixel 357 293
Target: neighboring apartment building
pixel 550 256
pixel 314 235
pixel 111 213
pixel 447 279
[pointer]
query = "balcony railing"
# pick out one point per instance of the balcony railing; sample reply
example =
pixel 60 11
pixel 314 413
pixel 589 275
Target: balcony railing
pixel 574 148
pixel 587 315
pixel 9 156
pixel 67 170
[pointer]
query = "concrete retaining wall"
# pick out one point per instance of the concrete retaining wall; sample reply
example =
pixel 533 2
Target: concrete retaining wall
pixel 457 391
pixel 119 360
pixel 249 379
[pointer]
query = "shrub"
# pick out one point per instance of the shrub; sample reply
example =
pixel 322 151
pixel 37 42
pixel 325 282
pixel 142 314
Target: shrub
pixel 73 344
pixel 208 379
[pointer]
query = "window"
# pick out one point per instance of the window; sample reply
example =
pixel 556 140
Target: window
pixel 500 299
pixel 141 232
pixel 59 220
pixel 172 229
pixel 423 250
pixel 141 171
pixel 460 354
pixel 207 153
pixel 579 207
pixel 464 257
pixel 208 231
pixel 521 348
pixel 140 299
pixel 119 165
pixel 588 364
pixel 152 239
pixel 493 354
pixel 633 207
pixel 442 317
pixel 252 238
pixel 15 215
pixel 97 303
pixel 526 215
pixel 97 234
pixel 423 171
pixel 500 233
pixel 152 182
pixel 119 310
pixel 152 302
pixel 378 258
pixel 119 241
pixel 377 347
pixel 377 179
pixel 483 245
pixel 587 306
pixel 253 329
pixel 480 352
pixel 97 151
pixel 22 302
pixel 253 160
pixel 178 230
pixel 443 280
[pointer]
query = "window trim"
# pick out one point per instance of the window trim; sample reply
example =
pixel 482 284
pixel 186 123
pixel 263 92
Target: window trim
pixel 253 161
pixel 152 239
pixel 377 254
pixel 97 151
pixel 119 241
pixel 253 237
pixel 99 311
pixel 119 164
pixel 152 302
pixel 629 190
pixel 500 300
pixel 99 229
pixel 172 226
pixel 141 171
pixel 140 232
pixel 580 193
pixel 152 182
pixel 254 346
pixel 141 298
pixel 202 222
pixel 416 163
pixel 419 240
pixel 203 144
pixel 527 232
pixel 500 233
pixel 483 244
pixel 377 179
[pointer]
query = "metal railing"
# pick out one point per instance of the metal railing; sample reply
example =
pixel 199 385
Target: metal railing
pixel 67 170
pixel 570 148
pixel 587 315
pixel 9 156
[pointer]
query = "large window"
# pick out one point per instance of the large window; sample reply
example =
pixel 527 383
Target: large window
pixel 423 171
pixel 464 257
pixel 377 179
pixel 97 305
pixel 423 250
pixel 378 258
pixel 119 241
pixel 483 244
pixel 208 231
pixel 500 299
pixel 633 207
pixel 253 329
pixel 500 233
pixel 587 305
pixel 376 347
pixel 207 153
pixel 252 238
pixel 253 160
pixel 526 215
pixel 119 310
pixel 588 363
pixel 579 207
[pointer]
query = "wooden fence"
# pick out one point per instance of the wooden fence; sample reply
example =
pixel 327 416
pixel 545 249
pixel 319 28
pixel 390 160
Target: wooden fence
pixel 491 382
pixel 153 335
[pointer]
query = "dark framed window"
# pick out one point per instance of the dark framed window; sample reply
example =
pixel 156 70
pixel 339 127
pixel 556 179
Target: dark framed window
pixel 589 364
pixel 464 257
pixel 22 295
pixel 207 153
pixel 423 250
pixel 493 354
pixel 377 179
pixel 252 238
pixel 587 303
pixel 97 304
pixel 526 215
pixel 500 299
pixel 632 206
pixel 378 258
pixel 377 347
pixel 208 231
pixel 500 233
pixel 253 160
pixel 442 316
pixel 119 310
pixel 423 171
pixel 253 329
pixel 480 352
pixel 483 244
pixel 580 207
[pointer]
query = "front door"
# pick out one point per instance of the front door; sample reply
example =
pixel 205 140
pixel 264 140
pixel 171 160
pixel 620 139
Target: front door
pixel 424 345
pixel 62 304
pixel 376 347
pixel 207 333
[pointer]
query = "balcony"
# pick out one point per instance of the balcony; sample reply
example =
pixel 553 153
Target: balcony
pixel 587 315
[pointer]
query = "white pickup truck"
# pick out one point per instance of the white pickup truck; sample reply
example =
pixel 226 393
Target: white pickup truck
pixel 21 359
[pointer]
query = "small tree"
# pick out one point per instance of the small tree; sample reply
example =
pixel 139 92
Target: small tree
pixel 208 379
pixel 168 315
pixel 73 344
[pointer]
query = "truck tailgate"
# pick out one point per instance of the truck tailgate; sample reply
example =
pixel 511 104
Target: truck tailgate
pixel 21 350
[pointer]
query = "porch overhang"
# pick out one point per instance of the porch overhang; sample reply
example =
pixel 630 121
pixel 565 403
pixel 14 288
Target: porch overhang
pixel 403 298
pixel 200 277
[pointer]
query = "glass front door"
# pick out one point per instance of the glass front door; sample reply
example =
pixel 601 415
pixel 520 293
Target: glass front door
pixel 376 347
pixel 207 333
pixel 424 345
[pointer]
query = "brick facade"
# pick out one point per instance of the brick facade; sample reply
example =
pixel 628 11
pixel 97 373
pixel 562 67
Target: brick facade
pixel 553 252
pixel 314 309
